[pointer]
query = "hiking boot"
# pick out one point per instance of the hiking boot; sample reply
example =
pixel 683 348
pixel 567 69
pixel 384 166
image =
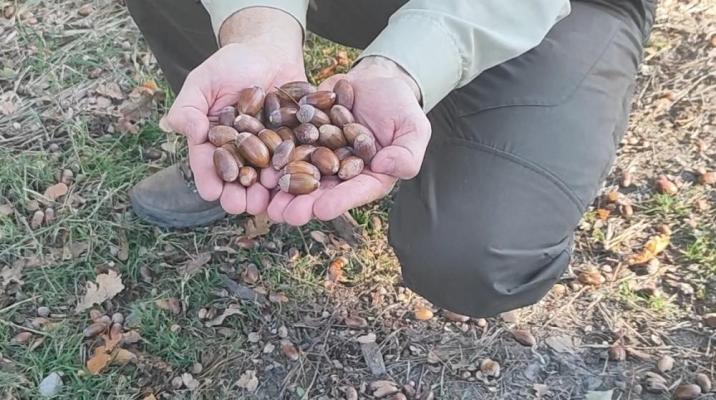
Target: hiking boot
pixel 169 199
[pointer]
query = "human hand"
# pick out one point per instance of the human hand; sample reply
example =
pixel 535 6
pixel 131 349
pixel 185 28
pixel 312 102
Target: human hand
pixel 267 57
pixel 386 101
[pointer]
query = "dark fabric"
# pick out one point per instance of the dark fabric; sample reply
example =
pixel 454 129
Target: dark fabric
pixel 515 158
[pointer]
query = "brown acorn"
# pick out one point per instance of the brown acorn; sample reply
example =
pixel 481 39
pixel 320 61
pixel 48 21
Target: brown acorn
pixel 286 133
pixel 524 337
pixel 234 150
pixel 343 152
pixel 340 115
pixel 309 113
pixel 247 176
pixel 253 150
pixel 687 392
pixel 352 130
pixel 284 116
pixel 326 161
pixel 320 118
pixel 95 329
pixel 351 167
pixel 219 135
pixel 295 90
pixel 344 93
pixel 617 352
pixel 302 167
pixel 270 138
pixel 283 154
pixel 306 133
pixel 331 136
pixel 665 186
pixel 303 152
pixel 251 100
pixel 247 123
pixel 227 115
pixel 225 164
pixel 271 104
pixel 364 147
pixel 323 99
pixel 298 183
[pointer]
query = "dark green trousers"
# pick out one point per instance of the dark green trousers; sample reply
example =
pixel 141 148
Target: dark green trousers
pixel 515 158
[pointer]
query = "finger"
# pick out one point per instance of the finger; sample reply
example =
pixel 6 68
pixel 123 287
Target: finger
pixel 278 205
pixel 233 199
pixel 300 210
pixel 356 192
pixel 403 158
pixel 269 177
pixel 201 160
pixel 188 114
pixel 331 81
pixel 257 199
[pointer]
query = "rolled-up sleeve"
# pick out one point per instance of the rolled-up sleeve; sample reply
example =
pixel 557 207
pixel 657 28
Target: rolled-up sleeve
pixel 220 10
pixel 444 45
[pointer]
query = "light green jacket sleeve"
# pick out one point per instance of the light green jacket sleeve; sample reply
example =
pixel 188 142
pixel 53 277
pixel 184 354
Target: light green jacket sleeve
pixel 220 10
pixel 444 45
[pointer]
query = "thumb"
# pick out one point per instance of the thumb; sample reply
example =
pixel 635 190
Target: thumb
pixel 403 158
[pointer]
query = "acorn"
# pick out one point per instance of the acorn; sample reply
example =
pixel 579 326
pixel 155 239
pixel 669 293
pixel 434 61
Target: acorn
pixel 352 130
pixel 303 152
pixel 251 100
pixel 665 186
pixel 253 150
pixel 247 123
pixel 283 154
pixel 340 115
pixel 227 115
pixel 234 150
pixel 326 161
pixel 247 176
pixel 331 136
pixel 270 138
pixel 309 113
pixel 295 90
pixel 284 116
pixel 286 133
pixel 350 167
pixel 271 104
pixel 225 164
pixel 364 147
pixel 323 99
pixel 219 135
pixel 344 93
pixel 302 167
pixel 343 152
pixel 298 183
pixel 687 392
pixel 306 133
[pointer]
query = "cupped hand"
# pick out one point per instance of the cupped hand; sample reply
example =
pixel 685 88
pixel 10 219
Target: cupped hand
pixel 386 101
pixel 207 89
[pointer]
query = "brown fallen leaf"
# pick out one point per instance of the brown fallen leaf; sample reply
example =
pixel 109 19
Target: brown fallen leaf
pixel 382 388
pixel 707 178
pixel 170 304
pixel 612 196
pixel 250 274
pixel 335 270
pixel 665 186
pixel 590 276
pixel 652 248
pixel 289 350
pixel 111 90
pixel 258 226
pixel 98 361
pixel 21 338
pixel 123 357
pixel 248 381
pixel 10 274
pixel 328 71
pixel 603 214
pixel 279 298
pixel 194 265
pixel 108 285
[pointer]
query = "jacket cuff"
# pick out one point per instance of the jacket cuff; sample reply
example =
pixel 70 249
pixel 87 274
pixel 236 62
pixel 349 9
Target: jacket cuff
pixel 426 50
pixel 220 10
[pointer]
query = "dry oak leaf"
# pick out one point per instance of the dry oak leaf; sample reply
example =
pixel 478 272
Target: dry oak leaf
pixel 194 265
pixel 248 381
pixel 123 357
pixel 108 285
pixel 99 360
pixel 652 248
pixel 258 226
pixel 56 191
pixel 111 90
pixel 10 274
pixel 335 270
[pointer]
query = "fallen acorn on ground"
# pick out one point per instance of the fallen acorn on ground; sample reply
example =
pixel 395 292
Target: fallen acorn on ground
pixel 294 123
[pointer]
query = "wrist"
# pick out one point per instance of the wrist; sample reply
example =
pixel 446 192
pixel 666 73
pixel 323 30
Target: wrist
pixel 386 68
pixel 275 32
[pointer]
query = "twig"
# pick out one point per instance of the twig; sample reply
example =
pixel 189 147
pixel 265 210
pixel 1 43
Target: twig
pixel 24 328
pixel 17 304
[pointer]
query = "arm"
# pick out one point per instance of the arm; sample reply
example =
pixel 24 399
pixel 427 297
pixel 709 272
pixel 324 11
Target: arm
pixel 443 45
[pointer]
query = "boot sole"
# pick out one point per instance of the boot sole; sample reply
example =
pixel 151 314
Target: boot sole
pixel 166 219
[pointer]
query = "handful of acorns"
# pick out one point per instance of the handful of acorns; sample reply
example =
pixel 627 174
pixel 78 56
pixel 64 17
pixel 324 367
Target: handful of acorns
pixel 310 134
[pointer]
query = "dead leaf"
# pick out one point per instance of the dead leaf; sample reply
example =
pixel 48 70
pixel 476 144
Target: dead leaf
pixel 248 381
pixel 279 298
pixel 56 191
pixel 123 253
pixel 250 274
pixel 108 285
pixel 123 357
pixel 257 226
pixel 591 276
pixel 603 214
pixel 12 274
pixel 194 265
pixel 111 90
pixel 335 270
pixel 131 337
pixel 171 304
pixel 666 186
pixel 98 361
pixel 6 209
pixel 561 344
pixel 328 71
pixel 289 350
pixel 342 58
pixel 232 310
pixel 652 248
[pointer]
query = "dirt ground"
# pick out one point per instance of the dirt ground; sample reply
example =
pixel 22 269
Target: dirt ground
pixel 245 310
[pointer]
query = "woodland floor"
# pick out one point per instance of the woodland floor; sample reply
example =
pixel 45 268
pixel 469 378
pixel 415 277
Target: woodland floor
pixel 70 74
